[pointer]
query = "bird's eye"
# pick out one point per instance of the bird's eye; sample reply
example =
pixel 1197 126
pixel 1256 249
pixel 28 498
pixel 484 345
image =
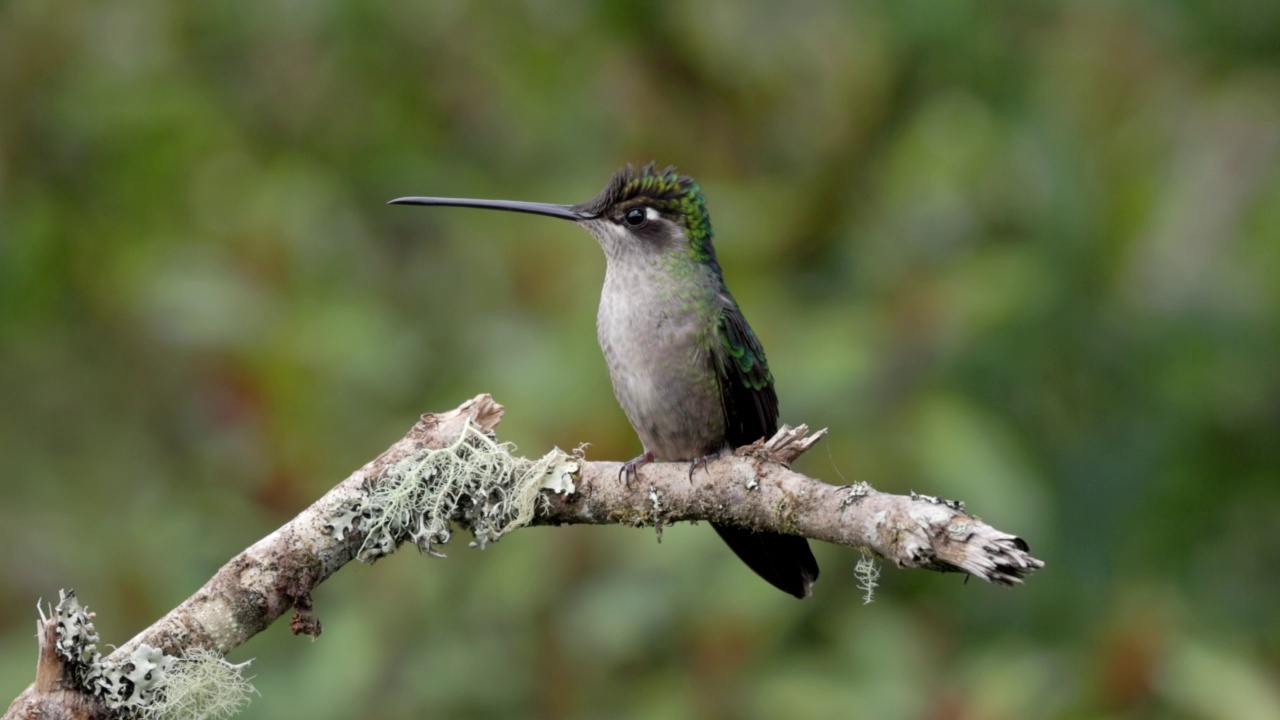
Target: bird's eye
pixel 635 217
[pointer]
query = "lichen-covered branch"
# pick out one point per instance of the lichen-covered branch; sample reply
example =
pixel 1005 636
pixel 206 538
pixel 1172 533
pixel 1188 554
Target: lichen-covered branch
pixel 450 470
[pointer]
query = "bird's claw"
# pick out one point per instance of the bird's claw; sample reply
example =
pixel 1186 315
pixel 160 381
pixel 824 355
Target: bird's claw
pixel 631 469
pixel 701 462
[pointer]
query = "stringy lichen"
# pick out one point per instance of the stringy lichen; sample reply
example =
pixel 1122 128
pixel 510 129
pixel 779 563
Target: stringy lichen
pixel 867 572
pixel 476 481
pixel 201 686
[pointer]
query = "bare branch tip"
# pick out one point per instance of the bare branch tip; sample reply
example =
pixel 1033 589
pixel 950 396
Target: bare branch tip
pixel 1007 561
pixel 482 411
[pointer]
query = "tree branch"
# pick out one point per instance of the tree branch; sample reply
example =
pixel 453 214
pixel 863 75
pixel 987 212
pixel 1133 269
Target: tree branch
pixel 753 488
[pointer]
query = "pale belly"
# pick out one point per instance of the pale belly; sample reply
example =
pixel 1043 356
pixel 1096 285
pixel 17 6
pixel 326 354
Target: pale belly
pixel 662 378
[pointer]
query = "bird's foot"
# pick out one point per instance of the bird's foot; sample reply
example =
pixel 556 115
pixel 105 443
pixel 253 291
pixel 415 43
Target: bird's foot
pixel 631 469
pixel 701 462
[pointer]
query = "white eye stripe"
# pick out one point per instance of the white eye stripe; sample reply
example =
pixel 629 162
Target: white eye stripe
pixel 651 213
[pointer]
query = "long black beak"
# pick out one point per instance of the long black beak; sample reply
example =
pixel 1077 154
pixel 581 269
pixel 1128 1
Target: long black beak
pixel 564 212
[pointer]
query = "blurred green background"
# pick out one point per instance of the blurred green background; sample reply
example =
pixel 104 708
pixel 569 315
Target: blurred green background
pixel 1022 254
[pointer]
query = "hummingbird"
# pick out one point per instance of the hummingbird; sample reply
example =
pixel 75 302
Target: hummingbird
pixel 687 369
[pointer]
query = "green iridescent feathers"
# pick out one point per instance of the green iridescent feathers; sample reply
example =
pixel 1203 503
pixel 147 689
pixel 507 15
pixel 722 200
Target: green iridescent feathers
pixel 746 385
pixel 676 196
pixel 740 353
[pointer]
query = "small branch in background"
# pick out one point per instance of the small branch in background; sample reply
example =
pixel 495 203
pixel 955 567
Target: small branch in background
pixel 450 470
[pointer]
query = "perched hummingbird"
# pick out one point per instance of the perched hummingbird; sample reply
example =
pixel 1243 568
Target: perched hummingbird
pixel 686 367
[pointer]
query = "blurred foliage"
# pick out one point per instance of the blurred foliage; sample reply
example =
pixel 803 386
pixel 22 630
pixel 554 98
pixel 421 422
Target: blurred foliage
pixel 1023 254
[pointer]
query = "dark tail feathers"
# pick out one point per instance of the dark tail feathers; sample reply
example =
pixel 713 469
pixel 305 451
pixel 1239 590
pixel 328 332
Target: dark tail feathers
pixel 784 560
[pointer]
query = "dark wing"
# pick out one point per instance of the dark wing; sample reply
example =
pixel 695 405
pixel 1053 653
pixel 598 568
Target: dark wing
pixel 746 386
pixel 751 413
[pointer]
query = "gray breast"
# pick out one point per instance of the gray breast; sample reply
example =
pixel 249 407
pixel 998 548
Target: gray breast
pixel 656 342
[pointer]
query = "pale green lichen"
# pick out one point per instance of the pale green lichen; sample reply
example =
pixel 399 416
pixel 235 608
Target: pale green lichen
pixel 856 492
pixel 957 505
pixel 202 686
pixel 76 639
pixel 867 572
pixel 476 481
pixel 132 683
pixel 128 684
pixel 655 499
